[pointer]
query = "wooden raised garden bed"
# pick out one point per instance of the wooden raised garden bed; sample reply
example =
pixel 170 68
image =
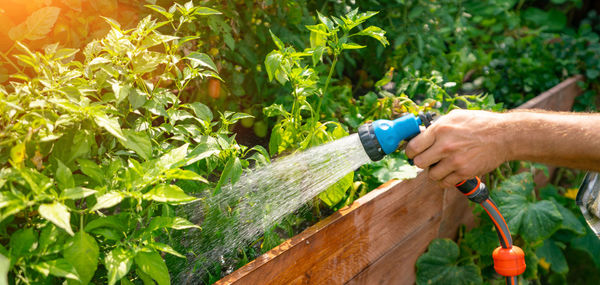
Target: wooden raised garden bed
pixel 378 238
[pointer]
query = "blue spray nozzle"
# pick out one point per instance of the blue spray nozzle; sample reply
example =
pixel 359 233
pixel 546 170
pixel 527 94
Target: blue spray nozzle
pixel 389 134
pixel 384 136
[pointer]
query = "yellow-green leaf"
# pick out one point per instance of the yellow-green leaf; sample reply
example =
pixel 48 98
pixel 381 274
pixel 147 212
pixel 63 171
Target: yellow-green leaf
pixel 58 214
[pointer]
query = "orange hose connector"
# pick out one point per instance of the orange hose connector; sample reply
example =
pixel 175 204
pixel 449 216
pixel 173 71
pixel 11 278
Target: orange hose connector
pixel 509 261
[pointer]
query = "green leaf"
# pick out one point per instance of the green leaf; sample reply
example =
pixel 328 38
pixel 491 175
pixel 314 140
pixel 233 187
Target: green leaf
pixel 77 193
pixel 202 111
pixel 533 220
pixel 589 243
pixel 326 21
pixel 107 200
pixel 91 169
pixel 231 173
pixel 168 193
pixel 317 55
pixel 37 25
pixel 58 214
pixel 569 220
pixel 64 176
pixel 376 33
pixel 4 268
pixel 176 223
pixel 440 265
pixel 151 263
pixel 201 59
pixel 138 142
pixel 337 192
pixel 352 46
pixel 58 267
pixel 179 173
pixel 550 252
pixel 393 168
pixel 109 124
pixel 21 242
pixel 277 41
pixel 166 248
pixel 272 64
pixel 173 158
pixel 206 147
pixel 203 11
pixel 83 253
pixel 118 263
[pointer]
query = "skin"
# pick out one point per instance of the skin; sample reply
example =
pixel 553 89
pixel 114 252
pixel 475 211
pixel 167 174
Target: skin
pixel 467 143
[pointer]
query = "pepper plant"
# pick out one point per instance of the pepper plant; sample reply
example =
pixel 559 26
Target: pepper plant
pixel 92 153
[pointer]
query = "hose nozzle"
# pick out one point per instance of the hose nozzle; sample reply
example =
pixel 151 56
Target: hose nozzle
pixel 384 136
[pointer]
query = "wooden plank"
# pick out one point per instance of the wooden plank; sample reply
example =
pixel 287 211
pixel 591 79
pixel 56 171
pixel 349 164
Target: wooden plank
pixel 338 248
pixel 456 212
pixel 558 98
pixel 397 266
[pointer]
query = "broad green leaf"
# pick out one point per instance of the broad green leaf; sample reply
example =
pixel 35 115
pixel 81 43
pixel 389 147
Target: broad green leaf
pixel 273 63
pixel 58 267
pixel 589 243
pixel 118 222
pixel 569 220
pixel 107 200
pixel 91 169
pixel 533 220
pixel 77 193
pixel 4 267
pixel 552 254
pixel 64 176
pixel 166 248
pixel 201 59
pixel 206 147
pixel 21 242
pixel 352 46
pixel 58 214
pixel 176 223
pixel 83 253
pixel 326 21
pixel 172 158
pixel 393 168
pixel 202 111
pixel 278 43
pixel 204 11
pixel 337 192
pixel 179 173
pixel 376 33
pixel 168 193
pixel 36 26
pixel 317 55
pixel 109 124
pixel 138 142
pixel 151 263
pixel 231 173
pixel 441 265
pixel 118 263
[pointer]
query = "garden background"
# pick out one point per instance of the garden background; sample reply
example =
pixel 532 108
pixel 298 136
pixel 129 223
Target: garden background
pixel 121 118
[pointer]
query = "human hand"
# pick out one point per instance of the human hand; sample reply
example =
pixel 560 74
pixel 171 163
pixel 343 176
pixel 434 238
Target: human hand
pixel 461 145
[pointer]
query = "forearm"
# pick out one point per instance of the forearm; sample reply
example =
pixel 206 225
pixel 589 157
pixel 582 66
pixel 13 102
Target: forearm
pixel 561 139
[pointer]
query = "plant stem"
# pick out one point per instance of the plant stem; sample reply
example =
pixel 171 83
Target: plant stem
pixel 335 59
pixel 5 57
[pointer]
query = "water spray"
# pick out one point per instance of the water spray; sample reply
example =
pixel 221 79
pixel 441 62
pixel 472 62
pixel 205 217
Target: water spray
pixel 383 137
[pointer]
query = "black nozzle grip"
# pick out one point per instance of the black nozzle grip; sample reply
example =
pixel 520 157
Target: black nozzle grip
pixel 474 189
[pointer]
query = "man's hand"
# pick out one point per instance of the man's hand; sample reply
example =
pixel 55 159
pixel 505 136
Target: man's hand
pixel 461 145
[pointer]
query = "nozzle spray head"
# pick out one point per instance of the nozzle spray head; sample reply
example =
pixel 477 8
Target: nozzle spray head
pixel 384 136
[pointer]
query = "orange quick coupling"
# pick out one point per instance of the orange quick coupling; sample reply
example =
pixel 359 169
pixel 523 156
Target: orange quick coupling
pixel 509 259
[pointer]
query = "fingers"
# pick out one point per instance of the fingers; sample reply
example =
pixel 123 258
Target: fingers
pixel 439 171
pixel 451 180
pixel 420 143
